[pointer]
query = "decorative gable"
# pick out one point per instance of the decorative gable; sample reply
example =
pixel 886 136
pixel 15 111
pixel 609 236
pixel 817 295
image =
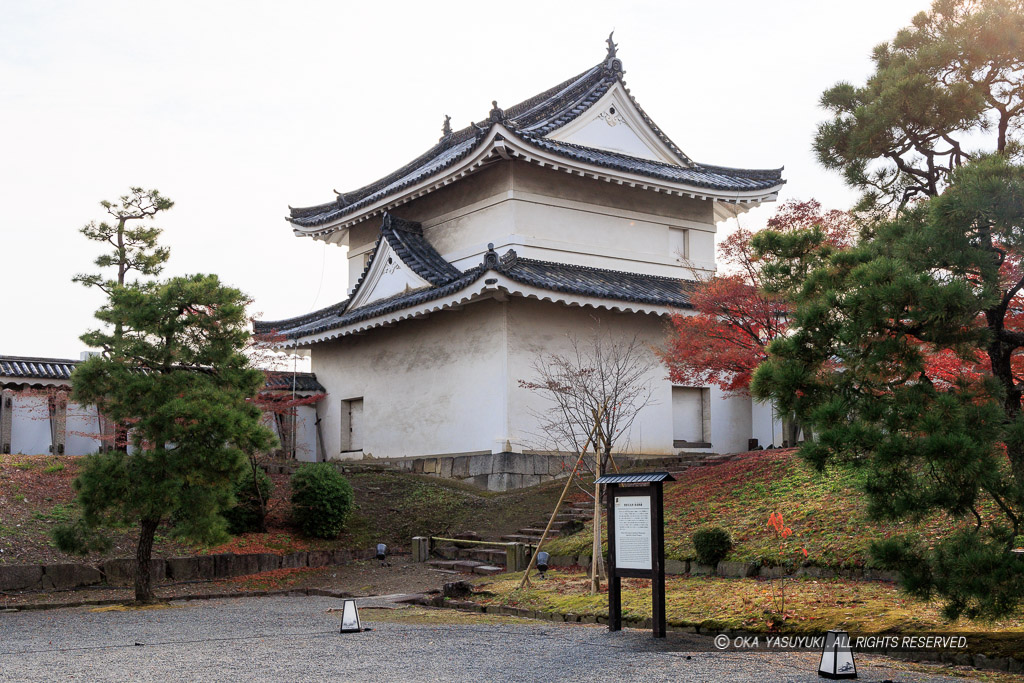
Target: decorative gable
pixel 614 124
pixel 387 276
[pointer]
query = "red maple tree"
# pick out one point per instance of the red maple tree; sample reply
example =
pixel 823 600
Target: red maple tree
pixel 733 322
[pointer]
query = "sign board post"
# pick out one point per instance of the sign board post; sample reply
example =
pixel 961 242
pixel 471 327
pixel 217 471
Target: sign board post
pixel 636 541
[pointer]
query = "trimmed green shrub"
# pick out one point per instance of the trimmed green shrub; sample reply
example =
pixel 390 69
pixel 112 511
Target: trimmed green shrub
pixel 249 512
pixel 321 500
pixel 712 543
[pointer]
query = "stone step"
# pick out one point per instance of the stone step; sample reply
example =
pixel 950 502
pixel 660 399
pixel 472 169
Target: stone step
pixel 520 538
pixel 468 565
pixel 443 564
pixel 447 552
pixel 488 570
pixel 488 555
pixel 533 531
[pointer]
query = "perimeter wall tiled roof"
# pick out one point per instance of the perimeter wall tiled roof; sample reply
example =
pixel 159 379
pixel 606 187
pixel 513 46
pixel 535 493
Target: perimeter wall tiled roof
pixel 31 368
pixel 36 368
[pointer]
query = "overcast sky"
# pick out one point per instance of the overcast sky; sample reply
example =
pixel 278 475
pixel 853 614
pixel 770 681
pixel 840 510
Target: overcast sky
pixel 237 109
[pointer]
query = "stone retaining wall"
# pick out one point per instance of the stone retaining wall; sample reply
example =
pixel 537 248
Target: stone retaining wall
pixel 742 570
pixel 121 572
pixel 507 471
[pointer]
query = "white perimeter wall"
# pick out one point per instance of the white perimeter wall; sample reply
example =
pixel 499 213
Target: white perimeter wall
pixel 82 429
pixel 30 425
pixel 761 429
pixel 305 434
pixel 730 422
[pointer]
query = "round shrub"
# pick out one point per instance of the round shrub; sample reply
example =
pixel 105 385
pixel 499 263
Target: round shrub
pixel 321 500
pixel 712 543
pixel 248 515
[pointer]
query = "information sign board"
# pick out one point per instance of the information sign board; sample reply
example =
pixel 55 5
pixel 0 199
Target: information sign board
pixel 633 532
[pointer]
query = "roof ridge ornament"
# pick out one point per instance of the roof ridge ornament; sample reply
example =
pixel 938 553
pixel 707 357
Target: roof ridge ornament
pixel 446 129
pixel 491 257
pixel 392 222
pixel 612 63
pixel 509 258
pixel 497 115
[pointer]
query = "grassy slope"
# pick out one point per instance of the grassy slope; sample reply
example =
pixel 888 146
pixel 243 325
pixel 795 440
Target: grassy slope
pixel 36 494
pixel 826 513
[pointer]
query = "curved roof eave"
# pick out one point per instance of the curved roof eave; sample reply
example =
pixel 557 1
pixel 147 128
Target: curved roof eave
pixel 503 143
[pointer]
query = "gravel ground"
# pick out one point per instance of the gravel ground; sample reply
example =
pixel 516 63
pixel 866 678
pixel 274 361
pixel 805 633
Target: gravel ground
pixel 296 638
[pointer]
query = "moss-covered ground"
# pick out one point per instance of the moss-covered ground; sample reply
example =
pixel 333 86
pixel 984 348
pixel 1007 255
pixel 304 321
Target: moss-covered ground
pixel 811 605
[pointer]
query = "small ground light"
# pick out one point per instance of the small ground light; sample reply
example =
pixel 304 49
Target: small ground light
pixel 350 617
pixel 837 657
pixel 382 553
pixel 542 563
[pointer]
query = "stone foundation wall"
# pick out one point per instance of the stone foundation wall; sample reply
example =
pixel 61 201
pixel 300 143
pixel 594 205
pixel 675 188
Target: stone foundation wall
pixel 503 471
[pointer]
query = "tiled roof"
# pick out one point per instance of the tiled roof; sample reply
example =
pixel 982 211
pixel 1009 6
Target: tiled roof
pixel 698 175
pixel 303 381
pixel 36 368
pixel 644 478
pixel 556 277
pixel 406 238
pixel 333 317
pixel 530 121
pixel 598 282
pixel 61 368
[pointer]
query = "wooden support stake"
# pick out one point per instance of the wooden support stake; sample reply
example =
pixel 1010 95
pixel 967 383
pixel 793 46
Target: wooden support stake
pixel 554 513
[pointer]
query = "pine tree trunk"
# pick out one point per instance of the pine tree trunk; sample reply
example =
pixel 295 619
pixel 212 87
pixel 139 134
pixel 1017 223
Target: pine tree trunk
pixel 143 557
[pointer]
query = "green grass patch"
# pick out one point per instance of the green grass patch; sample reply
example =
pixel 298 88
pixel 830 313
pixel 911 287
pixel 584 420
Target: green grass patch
pixel 812 605
pixel 54 467
pixel 58 513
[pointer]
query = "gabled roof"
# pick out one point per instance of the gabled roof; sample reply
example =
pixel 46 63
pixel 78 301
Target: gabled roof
pixel 530 123
pixel 31 368
pixel 406 238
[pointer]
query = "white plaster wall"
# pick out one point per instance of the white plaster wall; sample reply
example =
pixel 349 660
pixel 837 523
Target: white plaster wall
pixel 566 233
pixel 30 425
pixel 542 327
pixel 536 327
pixel 463 239
pixel 730 422
pixel 82 430
pixel 305 434
pixel 433 385
pixel 701 247
pixel 762 418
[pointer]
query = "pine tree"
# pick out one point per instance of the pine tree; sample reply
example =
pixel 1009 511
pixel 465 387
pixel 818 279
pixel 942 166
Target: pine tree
pixel 134 244
pixel 906 352
pixel 176 373
pixel 947 81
